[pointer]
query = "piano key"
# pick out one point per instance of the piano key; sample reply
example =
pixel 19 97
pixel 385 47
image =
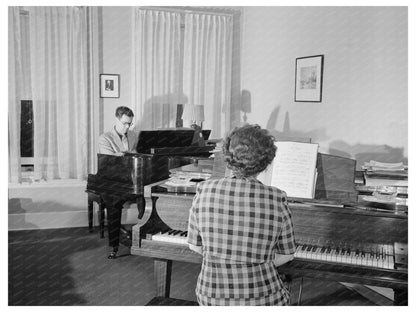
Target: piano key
pixel 342 257
pixel 318 254
pixel 332 255
pixel 372 256
pixel 308 251
pixel 302 251
pixel 298 251
pixel 354 258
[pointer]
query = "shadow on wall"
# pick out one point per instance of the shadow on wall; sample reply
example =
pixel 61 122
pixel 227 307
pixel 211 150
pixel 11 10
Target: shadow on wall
pixel 287 133
pixel 366 152
pixel 159 112
pixel 360 152
pixel 315 135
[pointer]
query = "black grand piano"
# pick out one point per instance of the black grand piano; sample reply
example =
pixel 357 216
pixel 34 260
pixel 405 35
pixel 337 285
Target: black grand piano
pixel 345 243
pixel 120 179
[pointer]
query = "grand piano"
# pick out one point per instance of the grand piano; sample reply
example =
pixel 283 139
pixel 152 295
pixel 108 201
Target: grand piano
pixel 345 243
pixel 120 179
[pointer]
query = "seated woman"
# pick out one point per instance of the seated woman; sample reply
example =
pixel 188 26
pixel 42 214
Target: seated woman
pixel 242 228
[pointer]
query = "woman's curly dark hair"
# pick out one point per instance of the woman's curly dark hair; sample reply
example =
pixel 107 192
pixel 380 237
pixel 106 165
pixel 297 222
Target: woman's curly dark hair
pixel 248 150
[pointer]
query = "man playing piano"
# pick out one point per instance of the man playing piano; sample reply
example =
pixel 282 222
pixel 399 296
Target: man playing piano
pixel 117 142
pixel 242 228
pixel 120 139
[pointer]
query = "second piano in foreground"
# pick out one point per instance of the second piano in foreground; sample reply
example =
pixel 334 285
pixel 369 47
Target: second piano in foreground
pixel 340 244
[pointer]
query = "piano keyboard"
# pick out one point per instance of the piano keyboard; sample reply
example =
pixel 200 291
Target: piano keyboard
pixel 171 236
pixel 377 256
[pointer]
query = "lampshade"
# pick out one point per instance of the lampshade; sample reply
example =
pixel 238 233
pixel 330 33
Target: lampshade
pixel 193 112
pixel 199 113
pixel 188 112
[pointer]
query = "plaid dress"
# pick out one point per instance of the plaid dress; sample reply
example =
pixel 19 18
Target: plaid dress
pixel 241 225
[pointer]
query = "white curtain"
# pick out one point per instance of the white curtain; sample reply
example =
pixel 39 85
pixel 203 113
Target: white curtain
pixel 16 92
pixel 207 68
pixel 58 41
pixel 156 68
pixel 93 16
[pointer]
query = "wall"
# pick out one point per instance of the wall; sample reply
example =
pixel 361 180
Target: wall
pixel 363 113
pixel 116 57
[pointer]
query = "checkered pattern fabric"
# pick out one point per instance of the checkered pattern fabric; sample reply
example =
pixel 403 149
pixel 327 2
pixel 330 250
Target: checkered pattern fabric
pixel 241 225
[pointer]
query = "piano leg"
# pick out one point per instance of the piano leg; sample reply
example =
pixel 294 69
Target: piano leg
pixel 90 212
pixel 295 289
pixel 163 273
pixel 400 297
pixel 102 217
pixel 141 206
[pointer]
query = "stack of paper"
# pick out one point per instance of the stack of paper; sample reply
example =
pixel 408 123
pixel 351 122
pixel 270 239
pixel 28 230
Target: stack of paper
pixel 385 174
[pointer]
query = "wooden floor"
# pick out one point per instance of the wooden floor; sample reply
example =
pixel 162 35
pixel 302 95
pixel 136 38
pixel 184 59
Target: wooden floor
pixel 69 267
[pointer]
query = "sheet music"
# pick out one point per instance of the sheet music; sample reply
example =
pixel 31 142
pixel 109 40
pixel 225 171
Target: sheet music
pixel 294 168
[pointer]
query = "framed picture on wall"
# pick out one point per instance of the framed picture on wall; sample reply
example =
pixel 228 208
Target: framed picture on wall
pixel 109 86
pixel 308 78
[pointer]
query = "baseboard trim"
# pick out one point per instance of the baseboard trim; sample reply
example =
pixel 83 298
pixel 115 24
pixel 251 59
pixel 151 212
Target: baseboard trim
pixel 66 219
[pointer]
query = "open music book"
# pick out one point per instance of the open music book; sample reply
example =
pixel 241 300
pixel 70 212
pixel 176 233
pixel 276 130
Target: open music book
pixel 293 170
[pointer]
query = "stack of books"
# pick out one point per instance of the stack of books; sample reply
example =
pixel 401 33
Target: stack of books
pixel 385 174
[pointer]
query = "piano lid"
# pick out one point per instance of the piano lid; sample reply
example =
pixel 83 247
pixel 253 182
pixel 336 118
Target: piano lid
pixel 164 138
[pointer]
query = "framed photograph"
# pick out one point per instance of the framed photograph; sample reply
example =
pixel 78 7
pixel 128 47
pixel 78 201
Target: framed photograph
pixel 109 86
pixel 308 78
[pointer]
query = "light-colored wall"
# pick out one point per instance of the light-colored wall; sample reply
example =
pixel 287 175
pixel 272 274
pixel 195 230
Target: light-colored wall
pixel 363 113
pixel 116 57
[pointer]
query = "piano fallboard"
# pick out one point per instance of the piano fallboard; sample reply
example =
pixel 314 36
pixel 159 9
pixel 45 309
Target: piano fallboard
pixel 311 222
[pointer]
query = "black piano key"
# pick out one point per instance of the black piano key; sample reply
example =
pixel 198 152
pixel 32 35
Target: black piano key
pixel 314 248
pixel 343 251
pixel 323 249
pixel 304 247
pixel 309 248
pixel 171 232
pixel 348 252
pixel 328 249
pixel 380 253
pixel 185 233
pixel 337 250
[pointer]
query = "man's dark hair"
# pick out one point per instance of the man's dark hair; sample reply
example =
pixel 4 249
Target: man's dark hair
pixel 123 110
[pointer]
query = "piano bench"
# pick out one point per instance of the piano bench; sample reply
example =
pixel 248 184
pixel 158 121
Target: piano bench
pixel 163 301
pixel 95 197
